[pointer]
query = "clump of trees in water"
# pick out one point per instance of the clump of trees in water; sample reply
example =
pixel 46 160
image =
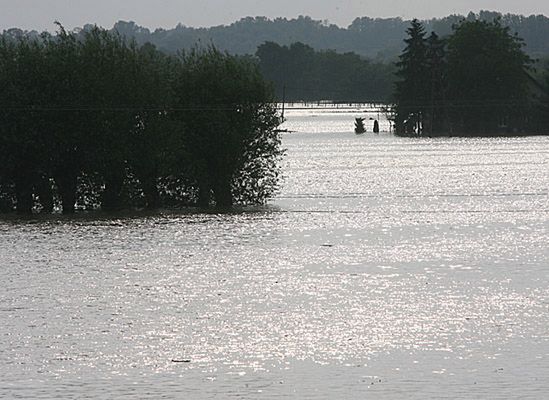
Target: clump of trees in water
pixel 90 120
pixel 476 81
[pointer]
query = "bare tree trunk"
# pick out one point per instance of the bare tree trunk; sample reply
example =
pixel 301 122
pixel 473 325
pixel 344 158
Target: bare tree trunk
pixel 67 186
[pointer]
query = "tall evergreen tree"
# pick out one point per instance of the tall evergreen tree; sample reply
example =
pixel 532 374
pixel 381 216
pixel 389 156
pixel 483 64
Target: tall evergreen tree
pixel 436 115
pixel 412 89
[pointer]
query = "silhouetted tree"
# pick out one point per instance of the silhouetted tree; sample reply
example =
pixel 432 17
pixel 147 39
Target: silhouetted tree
pixel 436 113
pixel 542 111
pixel 66 122
pixel 89 119
pixel 413 88
pixel 480 85
pixel 229 118
pixel 24 147
pixel 487 78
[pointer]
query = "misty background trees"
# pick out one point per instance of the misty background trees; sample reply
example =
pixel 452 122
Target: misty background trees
pixel 315 60
pixel 89 119
pixel 377 38
pixel 301 73
pixel 355 63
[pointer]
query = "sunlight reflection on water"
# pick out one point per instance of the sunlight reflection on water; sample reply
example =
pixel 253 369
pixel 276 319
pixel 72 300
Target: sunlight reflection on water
pixel 404 268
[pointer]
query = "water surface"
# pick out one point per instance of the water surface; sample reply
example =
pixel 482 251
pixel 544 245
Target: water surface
pixel 386 268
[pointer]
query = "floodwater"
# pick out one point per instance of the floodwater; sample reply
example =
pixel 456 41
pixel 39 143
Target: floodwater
pixel 387 268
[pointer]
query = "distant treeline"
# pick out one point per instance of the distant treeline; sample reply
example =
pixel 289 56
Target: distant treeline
pixel 302 74
pixel 371 37
pixel 91 120
pixel 313 60
pixel 476 81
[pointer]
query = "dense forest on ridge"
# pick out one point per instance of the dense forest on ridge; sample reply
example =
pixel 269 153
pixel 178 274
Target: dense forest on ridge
pixel 380 38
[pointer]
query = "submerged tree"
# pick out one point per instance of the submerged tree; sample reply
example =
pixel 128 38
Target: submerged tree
pixel 546 103
pixel 475 82
pixel 487 78
pixel 67 124
pixel 412 89
pixel 25 150
pixel 92 120
pixel 436 117
pixel 541 120
pixel 229 118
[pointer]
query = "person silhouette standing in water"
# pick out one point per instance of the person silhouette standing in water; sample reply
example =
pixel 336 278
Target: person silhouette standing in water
pixel 376 126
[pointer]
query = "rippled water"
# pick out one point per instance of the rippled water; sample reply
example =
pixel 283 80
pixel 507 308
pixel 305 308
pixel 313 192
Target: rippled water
pixel 387 268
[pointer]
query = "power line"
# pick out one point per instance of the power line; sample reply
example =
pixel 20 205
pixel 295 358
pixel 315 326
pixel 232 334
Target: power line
pixel 374 105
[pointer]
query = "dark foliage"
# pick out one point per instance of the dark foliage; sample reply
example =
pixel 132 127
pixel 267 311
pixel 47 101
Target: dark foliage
pixel 379 38
pixel 412 88
pixel 90 120
pixel 303 74
pixel 339 57
pixel 475 82
pixel 487 78
pixel 233 147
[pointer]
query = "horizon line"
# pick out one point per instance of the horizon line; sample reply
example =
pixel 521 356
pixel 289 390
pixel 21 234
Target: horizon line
pixel 324 22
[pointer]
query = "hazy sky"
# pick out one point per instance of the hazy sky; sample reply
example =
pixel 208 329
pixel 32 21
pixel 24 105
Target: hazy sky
pixel 40 14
